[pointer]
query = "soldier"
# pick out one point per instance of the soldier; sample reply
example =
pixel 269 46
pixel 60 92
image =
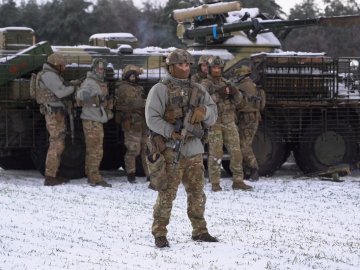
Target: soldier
pixel 131 114
pixel 96 109
pixel 224 132
pixel 202 69
pixel 50 92
pixel 167 103
pixel 249 117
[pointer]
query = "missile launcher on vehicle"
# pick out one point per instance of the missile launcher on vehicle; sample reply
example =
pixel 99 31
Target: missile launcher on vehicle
pixel 312 106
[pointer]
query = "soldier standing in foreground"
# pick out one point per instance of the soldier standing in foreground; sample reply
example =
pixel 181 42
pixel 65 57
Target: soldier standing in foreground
pixel 167 103
pixel 224 132
pixel 50 92
pixel 96 110
pixel 131 115
pixel 249 117
pixel 202 69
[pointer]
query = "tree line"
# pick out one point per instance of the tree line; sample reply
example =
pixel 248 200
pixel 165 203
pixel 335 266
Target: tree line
pixel 72 22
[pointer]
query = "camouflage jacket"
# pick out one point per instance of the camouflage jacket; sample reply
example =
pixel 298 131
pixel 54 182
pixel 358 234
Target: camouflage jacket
pixel 92 94
pixel 198 77
pixel 51 81
pixel 226 104
pixel 157 103
pixel 254 97
pixel 130 98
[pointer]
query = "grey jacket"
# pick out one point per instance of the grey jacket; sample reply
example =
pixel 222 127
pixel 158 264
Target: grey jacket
pixel 52 81
pixel 90 90
pixel 155 106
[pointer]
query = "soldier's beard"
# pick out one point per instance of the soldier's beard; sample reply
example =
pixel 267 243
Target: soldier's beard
pixel 178 72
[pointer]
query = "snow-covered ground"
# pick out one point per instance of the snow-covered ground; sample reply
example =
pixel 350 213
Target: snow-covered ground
pixel 284 223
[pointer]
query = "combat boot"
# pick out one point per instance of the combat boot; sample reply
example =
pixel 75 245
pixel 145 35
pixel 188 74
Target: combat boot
pixel 101 183
pixel 52 181
pixel 204 237
pixel 216 187
pixel 131 178
pixel 254 174
pixel 241 185
pixel 161 242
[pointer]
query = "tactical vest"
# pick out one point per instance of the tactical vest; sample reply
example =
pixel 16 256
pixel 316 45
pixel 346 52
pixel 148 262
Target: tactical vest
pixel 44 95
pixel 178 100
pixel 226 107
pixel 130 97
pixel 253 96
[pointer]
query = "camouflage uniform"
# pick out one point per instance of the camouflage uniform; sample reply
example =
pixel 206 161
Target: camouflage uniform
pixel 163 108
pixel 96 110
pixel 130 108
pixel 249 117
pixel 200 75
pixel 52 89
pixel 224 132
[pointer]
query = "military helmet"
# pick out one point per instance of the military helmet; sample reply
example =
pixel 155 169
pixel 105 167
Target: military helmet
pixel 216 61
pixel 179 56
pixel 131 68
pixel 204 59
pixel 98 62
pixel 242 71
pixel 56 59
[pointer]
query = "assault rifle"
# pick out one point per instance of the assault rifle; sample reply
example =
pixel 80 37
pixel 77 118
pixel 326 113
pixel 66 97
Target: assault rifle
pixel 184 127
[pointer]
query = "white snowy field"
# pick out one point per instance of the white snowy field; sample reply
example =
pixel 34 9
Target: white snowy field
pixel 283 224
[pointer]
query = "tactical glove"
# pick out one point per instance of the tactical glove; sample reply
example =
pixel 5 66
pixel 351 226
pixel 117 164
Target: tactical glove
pixel 170 116
pixel 75 82
pixel 176 136
pixel 198 115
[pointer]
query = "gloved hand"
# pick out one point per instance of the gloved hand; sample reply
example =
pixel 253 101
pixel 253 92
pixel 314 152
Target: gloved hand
pixel 198 115
pixel 75 82
pixel 170 116
pixel 176 136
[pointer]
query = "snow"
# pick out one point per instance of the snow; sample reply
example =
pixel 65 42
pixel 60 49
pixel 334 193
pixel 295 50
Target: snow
pixel 284 223
pixel 16 28
pixel 114 36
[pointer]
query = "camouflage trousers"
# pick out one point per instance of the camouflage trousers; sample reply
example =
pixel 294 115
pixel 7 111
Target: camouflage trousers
pixel 248 125
pixel 94 136
pixel 189 171
pixel 55 125
pixel 224 135
pixel 135 142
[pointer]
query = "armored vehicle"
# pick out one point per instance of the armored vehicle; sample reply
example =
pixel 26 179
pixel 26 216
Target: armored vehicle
pixel 318 95
pixel 312 106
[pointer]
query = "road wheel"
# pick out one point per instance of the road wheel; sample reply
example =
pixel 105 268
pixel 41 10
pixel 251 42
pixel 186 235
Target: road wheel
pixel 322 149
